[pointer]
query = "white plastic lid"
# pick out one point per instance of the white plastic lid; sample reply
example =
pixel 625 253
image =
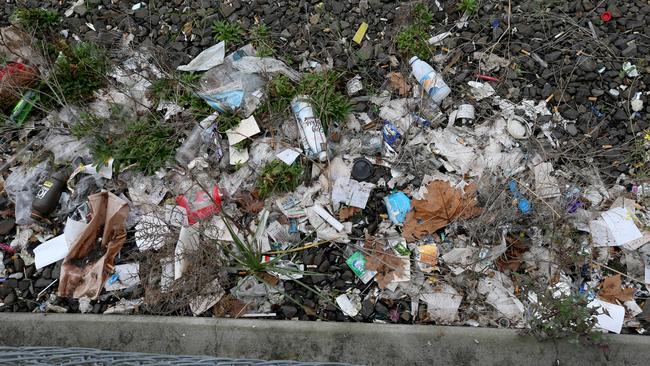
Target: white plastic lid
pixel 413 59
pixel 322 156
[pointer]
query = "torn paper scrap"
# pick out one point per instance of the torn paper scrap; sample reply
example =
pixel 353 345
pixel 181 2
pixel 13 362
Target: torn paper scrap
pixel 350 304
pixel 207 59
pixel 247 127
pixel 546 185
pixel 351 192
pixel 123 276
pixel 290 206
pixel 150 233
pixel 209 297
pixel 442 304
pixel 51 251
pixel 481 90
pixel 288 156
pixel 237 155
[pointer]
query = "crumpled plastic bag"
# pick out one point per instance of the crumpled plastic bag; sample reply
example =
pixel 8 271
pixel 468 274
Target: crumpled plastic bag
pixel 442 204
pixel 87 265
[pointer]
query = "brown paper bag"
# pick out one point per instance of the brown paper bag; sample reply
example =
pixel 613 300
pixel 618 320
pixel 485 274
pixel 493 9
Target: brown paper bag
pixel 87 265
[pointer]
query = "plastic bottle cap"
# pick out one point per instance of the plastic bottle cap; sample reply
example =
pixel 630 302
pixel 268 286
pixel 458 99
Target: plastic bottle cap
pixel 362 169
pixel 413 59
pixel 606 16
pixel 322 156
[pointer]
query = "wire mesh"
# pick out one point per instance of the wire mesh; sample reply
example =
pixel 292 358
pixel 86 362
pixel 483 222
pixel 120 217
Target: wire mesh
pixel 95 357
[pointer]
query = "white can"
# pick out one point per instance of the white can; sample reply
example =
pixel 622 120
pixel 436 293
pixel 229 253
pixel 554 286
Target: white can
pixel 311 130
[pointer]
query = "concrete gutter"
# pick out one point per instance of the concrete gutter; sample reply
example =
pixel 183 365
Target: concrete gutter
pixel 357 343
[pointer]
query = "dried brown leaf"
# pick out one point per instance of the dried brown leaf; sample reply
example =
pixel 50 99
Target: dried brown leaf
pixel 442 205
pixel 347 212
pixel 611 290
pixel 396 81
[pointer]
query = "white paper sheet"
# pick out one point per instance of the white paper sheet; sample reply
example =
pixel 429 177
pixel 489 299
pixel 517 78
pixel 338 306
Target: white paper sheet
pixel 247 127
pixel 288 156
pixel 207 59
pixel 610 316
pixel 127 275
pixel 346 305
pixel 51 251
pixel 238 156
pixel 351 192
pixel 621 226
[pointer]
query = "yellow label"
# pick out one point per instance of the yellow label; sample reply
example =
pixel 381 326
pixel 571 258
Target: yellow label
pixel 358 37
pixel 48 184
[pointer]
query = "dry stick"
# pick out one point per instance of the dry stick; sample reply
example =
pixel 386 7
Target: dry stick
pixel 538 197
pixel 618 272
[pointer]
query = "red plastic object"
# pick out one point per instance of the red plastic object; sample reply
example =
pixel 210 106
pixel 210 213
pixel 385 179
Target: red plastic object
pixel 201 205
pixel 606 16
pixel 487 77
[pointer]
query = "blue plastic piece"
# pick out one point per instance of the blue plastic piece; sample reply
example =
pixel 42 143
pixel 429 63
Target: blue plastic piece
pixel 390 132
pixel 524 205
pixel 397 205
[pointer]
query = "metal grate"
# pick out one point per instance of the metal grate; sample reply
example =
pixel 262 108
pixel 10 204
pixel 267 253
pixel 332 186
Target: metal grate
pixel 96 357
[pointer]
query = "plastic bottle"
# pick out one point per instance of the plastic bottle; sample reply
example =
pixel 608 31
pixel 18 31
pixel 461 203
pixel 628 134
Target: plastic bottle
pixel 430 80
pixel 48 194
pixel 312 135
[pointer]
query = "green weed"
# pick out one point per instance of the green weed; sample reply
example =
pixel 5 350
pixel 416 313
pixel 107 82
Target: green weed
pixel 260 37
pixel 181 89
pixel 79 71
pixel 145 143
pixel 231 33
pixel 469 6
pixel 279 177
pixel 35 20
pixel 412 39
pixel 226 121
pixel 280 90
pixel 329 104
pixel 561 316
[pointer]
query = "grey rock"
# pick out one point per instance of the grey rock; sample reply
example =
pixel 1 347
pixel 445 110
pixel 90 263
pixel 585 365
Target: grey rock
pixel 289 311
pixel 42 283
pixel 620 115
pixel 10 299
pixel 571 129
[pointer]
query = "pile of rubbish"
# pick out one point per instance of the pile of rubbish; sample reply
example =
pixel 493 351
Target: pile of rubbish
pixel 424 205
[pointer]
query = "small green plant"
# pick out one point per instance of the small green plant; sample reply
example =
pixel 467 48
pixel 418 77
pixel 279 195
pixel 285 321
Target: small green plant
pixel 412 39
pixel 181 89
pixel 279 177
pixel 35 20
pixel 330 105
pixel 468 6
pixel 558 315
pixel 280 90
pixel 260 37
pixel 231 33
pixel 79 71
pixel 226 121
pixel 145 143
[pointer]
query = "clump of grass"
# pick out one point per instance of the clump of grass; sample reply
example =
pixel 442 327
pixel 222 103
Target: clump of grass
pixel 280 91
pixel 278 177
pixel 35 20
pixel 226 121
pixel 468 6
pixel 79 71
pixel 412 39
pixel 229 32
pixel 329 104
pixel 180 88
pixel 559 315
pixel 145 143
pixel 260 37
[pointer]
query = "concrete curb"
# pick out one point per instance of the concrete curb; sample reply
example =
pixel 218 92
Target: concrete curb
pixel 357 343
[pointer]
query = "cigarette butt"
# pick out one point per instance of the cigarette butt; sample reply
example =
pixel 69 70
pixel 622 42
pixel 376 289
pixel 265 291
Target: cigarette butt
pixel 525 52
pixel 549 98
pixel 358 37
pixel 593 99
pixel 445 49
pixel 607 146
